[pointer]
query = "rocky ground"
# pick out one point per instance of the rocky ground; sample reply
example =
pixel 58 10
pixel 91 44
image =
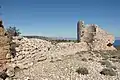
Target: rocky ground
pixel 38 59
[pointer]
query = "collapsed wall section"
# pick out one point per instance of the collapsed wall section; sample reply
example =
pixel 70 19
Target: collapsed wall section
pixel 96 38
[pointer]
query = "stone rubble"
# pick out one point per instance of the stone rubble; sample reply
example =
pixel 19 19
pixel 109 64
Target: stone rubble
pixel 38 59
pixel 32 50
pixel 4 48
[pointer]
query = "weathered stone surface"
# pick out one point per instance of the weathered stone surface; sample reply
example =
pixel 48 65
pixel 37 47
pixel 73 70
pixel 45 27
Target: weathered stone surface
pixel 36 57
pixel 80 27
pixel 88 34
pixel 1 29
pixel 97 38
pixel 4 48
pixel 10 72
pixel 102 39
pixel 29 52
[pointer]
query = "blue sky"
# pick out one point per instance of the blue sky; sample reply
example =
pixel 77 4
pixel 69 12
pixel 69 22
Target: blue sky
pixel 59 17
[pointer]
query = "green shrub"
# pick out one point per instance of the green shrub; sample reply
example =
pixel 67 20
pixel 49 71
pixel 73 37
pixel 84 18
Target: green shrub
pixel 13 31
pixel 82 71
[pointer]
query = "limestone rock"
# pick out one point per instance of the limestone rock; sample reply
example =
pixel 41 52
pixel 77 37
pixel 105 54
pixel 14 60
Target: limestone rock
pixel 8 78
pixel 4 50
pixel 10 72
pixel 8 56
pixel 27 78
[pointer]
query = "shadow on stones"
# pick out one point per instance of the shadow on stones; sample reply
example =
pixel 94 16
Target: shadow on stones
pixel 12 49
pixel 109 44
pixel 3 75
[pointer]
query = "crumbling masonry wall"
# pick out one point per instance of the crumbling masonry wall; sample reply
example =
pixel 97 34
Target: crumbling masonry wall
pixel 4 48
pixel 80 27
pixel 92 34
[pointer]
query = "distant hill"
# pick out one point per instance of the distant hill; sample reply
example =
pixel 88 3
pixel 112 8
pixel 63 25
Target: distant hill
pixel 39 37
pixel 117 38
pixel 50 38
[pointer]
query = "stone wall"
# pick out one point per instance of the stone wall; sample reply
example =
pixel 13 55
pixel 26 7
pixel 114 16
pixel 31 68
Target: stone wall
pixel 80 26
pixel 88 34
pixel 4 48
pixel 97 38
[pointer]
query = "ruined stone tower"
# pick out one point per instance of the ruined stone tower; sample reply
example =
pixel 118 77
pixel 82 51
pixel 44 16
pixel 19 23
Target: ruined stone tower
pixel 85 34
pixel 80 26
pixel 89 33
pixel 95 37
